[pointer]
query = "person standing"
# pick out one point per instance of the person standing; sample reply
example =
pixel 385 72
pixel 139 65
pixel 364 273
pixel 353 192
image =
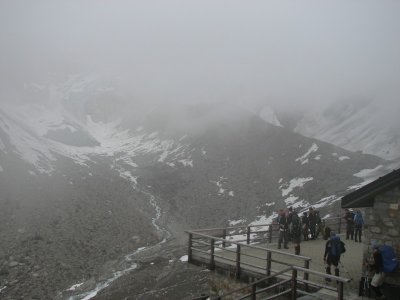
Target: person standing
pixel 358 225
pixel 349 217
pixel 333 250
pixel 379 277
pixel 283 228
pixel 320 224
pixel 305 225
pixel 296 232
pixel 289 216
pixel 312 219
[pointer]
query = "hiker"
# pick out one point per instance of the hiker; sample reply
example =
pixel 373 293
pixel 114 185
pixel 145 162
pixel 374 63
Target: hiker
pixel 283 228
pixel 289 216
pixel 327 232
pixel 358 225
pixel 334 247
pixel 312 219
pixel 320 224
pixel 379 276
pixel 305 224
pixel 296 232
pixel 349 217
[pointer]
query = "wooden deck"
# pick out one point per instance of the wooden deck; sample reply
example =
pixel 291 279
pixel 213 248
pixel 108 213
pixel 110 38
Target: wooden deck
pixel 262 258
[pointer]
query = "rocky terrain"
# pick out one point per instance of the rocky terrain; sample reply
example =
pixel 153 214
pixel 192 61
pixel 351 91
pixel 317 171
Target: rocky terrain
pixel 95 205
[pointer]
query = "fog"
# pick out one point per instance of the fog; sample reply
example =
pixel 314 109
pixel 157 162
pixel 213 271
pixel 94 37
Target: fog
pixel 288 53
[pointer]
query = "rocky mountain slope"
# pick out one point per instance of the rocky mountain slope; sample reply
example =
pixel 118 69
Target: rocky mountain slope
pixel 356 125
pixel 86 192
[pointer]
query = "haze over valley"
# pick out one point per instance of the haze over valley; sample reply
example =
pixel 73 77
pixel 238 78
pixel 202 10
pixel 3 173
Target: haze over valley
pixel 124 124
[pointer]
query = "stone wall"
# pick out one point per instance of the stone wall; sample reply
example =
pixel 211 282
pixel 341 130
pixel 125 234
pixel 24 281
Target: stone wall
pixel 383 225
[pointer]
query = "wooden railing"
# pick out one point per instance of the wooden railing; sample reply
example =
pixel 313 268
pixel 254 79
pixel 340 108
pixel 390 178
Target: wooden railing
pixel 266 233
pixel 291 285
pixel 252 259
pixel 233 248
pixel 249 233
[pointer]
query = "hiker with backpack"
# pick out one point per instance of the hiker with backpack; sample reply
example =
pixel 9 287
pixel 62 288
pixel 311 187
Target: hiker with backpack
pixel 358 225
pixel 384 262
pixel 379 276
pixel 334 247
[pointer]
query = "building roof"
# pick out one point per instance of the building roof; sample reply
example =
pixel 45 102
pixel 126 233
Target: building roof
pixel 364 197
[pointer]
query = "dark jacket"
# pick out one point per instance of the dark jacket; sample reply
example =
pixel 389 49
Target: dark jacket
pixel 283 222
pixel 349 217
pixel 305 221
pixel 378 262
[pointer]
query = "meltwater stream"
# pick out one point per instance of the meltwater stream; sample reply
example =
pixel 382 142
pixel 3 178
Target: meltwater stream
pixel 127 264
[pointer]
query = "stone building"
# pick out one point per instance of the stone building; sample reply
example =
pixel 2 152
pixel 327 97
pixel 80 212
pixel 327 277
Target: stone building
pixel 380 201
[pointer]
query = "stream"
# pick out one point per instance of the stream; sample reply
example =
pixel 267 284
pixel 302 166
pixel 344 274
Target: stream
pixel 127 264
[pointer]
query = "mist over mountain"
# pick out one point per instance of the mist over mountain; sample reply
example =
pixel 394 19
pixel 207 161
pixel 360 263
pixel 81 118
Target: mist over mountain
pixel 124 123
pixel 84 186
pixel 370 126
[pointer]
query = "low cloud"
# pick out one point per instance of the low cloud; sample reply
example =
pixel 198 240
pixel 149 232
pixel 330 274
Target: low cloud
pixel 281 52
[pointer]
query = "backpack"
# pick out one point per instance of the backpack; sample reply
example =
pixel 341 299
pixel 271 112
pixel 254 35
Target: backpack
pixel 358 219
pixel 389 259
pixel 337 247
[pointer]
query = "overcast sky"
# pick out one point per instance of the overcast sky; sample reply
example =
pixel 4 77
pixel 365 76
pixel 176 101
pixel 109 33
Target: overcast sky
pixel 252 51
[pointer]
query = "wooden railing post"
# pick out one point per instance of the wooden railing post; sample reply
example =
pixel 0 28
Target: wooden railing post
pixel 253 292
pixel 248 235
pixel 306 275
pixel 237 261
pixel 269 260
pixel 190 244
pixel 224 237
pixel 294 284
pixel 340 290
pixel 212 259
pixel 270 234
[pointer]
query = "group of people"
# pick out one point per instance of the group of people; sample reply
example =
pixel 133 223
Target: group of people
pixel 309 226
pixel 312 224
pixel 354 224
pixel 292 227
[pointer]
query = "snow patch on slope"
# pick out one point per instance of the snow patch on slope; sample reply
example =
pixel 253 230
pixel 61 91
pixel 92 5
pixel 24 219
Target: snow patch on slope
pixel 367 172
pixel 304 158
pixel 27 144
pixel 221 189
pixel 264 220
pixel 371 127
pixel 341 158
pixel 287 188
pixel 326 201
pixel 290 200
pixel 268 115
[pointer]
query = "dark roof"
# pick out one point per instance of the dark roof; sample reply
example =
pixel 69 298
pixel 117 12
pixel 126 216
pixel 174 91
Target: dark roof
pixel 364 197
